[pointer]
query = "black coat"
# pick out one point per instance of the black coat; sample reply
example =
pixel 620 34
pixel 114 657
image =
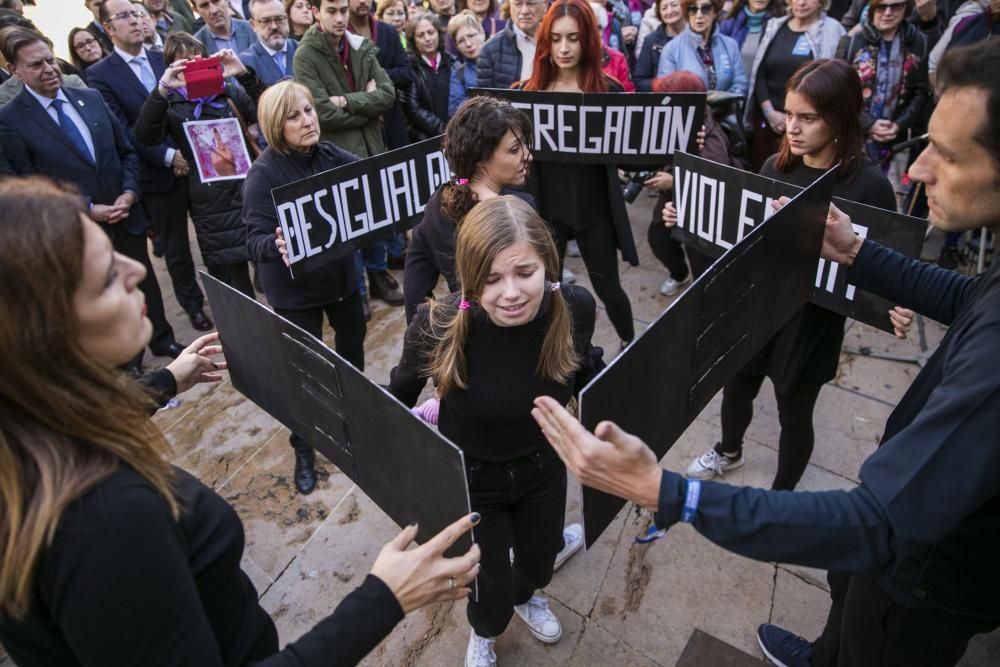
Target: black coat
pixel 649 59
pixel 427 102
pixel 392 57
pixel 216 208
pixel 323 285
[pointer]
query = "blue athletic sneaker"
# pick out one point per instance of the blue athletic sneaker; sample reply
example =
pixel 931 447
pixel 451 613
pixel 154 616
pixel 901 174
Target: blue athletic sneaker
pixel 782 647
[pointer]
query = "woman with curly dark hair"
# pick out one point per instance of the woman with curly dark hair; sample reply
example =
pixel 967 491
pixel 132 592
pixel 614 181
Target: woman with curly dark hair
pixel 583 201
pixel 488 147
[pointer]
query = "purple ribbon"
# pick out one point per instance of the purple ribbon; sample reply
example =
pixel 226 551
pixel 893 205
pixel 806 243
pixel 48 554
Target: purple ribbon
pixel 200 102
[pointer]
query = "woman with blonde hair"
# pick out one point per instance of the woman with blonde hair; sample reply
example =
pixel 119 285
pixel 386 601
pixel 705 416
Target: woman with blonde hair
pixel 111 556
pixel 509 334
pixel 466 33
pixel 288 121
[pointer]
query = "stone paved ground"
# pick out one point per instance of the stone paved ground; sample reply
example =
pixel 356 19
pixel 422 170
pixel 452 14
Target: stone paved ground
pixel 620 604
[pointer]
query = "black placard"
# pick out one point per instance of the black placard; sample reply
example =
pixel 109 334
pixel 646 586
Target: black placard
pixel 414 474
pixel 328 215
pixel 718 205
pixel 608 128
pixel 664 379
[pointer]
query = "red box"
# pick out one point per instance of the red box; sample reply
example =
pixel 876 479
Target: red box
pixel 203 77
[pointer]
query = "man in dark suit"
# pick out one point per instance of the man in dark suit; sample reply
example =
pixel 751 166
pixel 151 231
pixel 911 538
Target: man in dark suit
pixel 125 78
pixel 222 30
pixel 271 55
pixel 70 134
pixel 94 27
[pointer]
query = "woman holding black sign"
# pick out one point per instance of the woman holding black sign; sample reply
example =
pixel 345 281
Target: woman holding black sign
pixel 288 120
pixel 111 555
pixel 822 110
pixel 583 201
pixel 510 333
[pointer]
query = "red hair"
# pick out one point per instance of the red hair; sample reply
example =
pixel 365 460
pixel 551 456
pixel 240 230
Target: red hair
pixel 589 72
pixel 679 81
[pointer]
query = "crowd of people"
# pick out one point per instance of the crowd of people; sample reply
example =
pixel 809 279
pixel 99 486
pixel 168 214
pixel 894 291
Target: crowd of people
pixel 99 169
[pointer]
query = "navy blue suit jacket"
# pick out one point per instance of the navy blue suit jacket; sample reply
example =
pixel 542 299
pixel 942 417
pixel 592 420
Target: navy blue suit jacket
pixel 262 63
pixel 125 95
pixel 33 143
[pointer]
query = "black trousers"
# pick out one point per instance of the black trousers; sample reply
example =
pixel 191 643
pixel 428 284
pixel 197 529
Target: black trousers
pixel 866 627
pixel 169 213
pixel 599 250
pixel 795 411
pixel 135 247
pixel 522 504
pixel 236 275
pixel 348 321
pixel 670 251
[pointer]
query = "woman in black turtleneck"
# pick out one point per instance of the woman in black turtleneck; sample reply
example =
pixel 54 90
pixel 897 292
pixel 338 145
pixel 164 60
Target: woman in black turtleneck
pixel 288 120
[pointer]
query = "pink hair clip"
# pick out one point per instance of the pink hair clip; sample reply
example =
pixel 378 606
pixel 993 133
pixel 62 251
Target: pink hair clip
pixel 555 286
pixel 464 305
pixel 462 181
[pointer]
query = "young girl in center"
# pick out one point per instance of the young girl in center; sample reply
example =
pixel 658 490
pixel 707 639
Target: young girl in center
pixel 509 334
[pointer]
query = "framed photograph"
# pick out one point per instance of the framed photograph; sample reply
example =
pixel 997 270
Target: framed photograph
pixel 220 152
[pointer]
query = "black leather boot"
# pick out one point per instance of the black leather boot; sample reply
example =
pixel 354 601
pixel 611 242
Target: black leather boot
pixel 305 469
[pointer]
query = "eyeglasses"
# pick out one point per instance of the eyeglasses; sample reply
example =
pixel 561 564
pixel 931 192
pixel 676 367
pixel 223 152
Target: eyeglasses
pixel 889 7
pixel 121 16
pixel 272 20
pixel 704 10
pixel 88 41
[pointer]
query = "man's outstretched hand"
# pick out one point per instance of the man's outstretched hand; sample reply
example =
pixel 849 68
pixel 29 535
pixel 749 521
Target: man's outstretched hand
pixel 608 460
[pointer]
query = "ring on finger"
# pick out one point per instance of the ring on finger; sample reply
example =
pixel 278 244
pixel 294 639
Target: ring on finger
pixel 452 583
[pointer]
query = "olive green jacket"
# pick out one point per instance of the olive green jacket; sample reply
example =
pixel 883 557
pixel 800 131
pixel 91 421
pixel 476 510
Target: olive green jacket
pixel 357 127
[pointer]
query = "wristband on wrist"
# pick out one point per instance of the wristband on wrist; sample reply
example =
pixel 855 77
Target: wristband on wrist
pixel 163 83
pixel 691 497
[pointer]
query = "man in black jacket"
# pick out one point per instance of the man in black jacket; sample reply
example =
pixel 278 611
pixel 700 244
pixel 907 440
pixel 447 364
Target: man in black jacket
pixel 912 551
pixel 509 55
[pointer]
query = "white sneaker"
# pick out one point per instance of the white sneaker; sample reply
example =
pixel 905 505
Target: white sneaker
pixel 540 619
pixel 572 249
pixel 568 277
pixel 670 286
pixel 480 651
pixel 711 463
pixel 572 541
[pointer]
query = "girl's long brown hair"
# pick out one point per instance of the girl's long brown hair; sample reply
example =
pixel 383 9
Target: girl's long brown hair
pixel 834 89
pixel 489 228
pixel 66 422
pixel 590 75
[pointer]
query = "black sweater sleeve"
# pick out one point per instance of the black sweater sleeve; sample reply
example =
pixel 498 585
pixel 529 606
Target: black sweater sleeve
pixel 259 214
pixel 121 591
pixel 928 289
pixel 408 379
pixel 420 275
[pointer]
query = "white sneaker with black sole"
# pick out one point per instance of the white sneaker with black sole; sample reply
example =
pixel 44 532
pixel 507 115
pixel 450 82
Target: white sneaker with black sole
pixel 712 464
pixel 480 651
pixel 540 619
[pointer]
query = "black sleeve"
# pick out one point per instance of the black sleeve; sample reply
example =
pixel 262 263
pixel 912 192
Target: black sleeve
pixel 420 275
pixel 244 103
pixel 122 592
pixel 397 64
pixel 912 111
pixel 259 214
pixel 928 289
pixel 362 620
pixel 645 67
pixel 253 86
pixel 407 380
pixel 584 311
pixel 151 125
pixel 160 385
pixel 127 155
pixel 420 114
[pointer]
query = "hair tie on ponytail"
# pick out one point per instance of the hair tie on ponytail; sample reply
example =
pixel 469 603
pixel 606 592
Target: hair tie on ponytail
pixel 461 181
pixel 464 305
pixel 554 286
